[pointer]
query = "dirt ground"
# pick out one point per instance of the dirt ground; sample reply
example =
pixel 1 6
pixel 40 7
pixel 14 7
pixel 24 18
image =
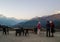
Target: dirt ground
pixel 30 38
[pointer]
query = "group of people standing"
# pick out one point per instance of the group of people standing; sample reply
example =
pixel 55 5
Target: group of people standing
pixel 5 31
pixel 49 28
pixel 22 31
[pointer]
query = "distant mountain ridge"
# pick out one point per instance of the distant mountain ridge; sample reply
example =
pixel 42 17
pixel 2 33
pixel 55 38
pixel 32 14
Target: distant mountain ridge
pixel 33 22
pixel 9 21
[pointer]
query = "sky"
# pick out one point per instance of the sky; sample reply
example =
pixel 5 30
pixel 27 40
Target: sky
pixel 27 9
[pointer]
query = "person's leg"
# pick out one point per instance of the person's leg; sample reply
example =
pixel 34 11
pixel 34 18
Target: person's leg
pixel 28 33
pixel 52 34
pixel 47 33
pixel 35 31
pixel 38 32
pixel 5 32
pixel 23 33
pixel 16 33
pixel 19 33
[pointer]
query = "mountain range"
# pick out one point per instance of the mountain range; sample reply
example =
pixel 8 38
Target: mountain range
pixel 30 23
pixel 33 22
pixel 9 21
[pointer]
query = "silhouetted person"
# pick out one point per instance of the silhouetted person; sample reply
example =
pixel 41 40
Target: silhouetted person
pixel 26 32
pixel 48 29
pixel 22 30
pixel 35 30
pixel 7 30
pixel 18 31
pixel 4 31
pixel 52 28
pixel 38 27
